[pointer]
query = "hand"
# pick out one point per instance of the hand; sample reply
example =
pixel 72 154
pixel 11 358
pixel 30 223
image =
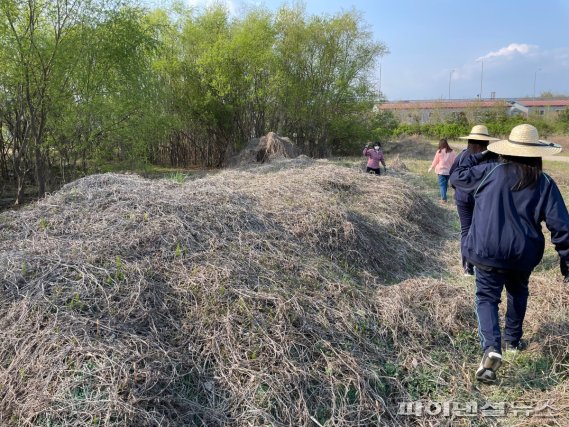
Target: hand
pixel 430 169
pixel 385 169
pixel 483 155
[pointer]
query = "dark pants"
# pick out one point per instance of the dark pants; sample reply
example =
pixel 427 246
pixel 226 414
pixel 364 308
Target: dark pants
pixel 372 170
pixel 465 210
pixel 443 186
pixel 489 285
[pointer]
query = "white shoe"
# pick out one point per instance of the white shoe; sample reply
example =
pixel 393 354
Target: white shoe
pixel 491 361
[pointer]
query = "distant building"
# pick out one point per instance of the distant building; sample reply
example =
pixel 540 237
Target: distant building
pixel 539 106
pixel 433 111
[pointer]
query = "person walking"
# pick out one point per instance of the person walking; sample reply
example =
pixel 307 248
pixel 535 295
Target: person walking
pixel 505 242
pixel 444 158
pixel 478 141
pixel 375 157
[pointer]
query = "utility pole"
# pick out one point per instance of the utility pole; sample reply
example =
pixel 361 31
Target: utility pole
pixel 449 79
pixel 534 79
pixel 380 76
pixel 481 78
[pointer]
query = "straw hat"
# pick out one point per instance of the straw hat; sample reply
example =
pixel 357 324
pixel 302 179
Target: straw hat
pixel 480 133
pixel 524 142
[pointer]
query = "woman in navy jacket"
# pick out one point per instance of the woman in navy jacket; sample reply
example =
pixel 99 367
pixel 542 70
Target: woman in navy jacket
pixel 505 242
pixel 478 141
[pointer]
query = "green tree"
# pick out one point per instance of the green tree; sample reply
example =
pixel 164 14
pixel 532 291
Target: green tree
pixel 33 33
pixel 563 120
pixel 323 78
pixel 75 82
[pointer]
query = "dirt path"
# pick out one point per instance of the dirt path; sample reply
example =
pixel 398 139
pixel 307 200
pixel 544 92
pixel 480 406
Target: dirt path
pixel 557 158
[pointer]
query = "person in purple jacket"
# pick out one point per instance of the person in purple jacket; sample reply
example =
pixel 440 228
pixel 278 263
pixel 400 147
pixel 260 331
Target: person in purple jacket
pixel 374 158
pixel 505 241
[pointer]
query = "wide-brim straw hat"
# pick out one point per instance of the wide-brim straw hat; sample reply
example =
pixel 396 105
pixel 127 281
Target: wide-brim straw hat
pixel 524 142
pixel 479 133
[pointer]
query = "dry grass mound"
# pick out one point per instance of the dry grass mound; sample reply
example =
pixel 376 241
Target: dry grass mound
pixel 249 298
pixel 415 147
pixel 244 298
pixel 265 149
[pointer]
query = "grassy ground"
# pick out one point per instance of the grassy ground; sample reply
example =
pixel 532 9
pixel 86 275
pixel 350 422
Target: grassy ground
pixel 532 378
pixel 537 378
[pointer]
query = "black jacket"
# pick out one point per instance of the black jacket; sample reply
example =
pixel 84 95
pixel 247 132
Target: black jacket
pixel 506 225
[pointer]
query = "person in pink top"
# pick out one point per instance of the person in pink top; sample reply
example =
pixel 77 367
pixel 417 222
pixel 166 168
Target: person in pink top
pixel 444 158
pixel 374 158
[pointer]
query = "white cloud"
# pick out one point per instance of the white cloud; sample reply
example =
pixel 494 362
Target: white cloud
pixel 509 51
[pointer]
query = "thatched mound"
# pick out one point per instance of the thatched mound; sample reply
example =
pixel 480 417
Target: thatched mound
pixel 238 299
pixel 247 298
pixel 415 147
pixel 398 164
pixel 265 149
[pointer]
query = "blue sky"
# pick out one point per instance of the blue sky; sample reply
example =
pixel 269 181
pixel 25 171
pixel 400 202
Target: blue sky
pixel 511 47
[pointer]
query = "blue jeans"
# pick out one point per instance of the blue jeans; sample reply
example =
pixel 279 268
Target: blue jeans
pixel 443 185
pixel 489 285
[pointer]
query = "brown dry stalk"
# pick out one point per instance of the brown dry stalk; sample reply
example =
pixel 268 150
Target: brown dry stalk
pixel 251 297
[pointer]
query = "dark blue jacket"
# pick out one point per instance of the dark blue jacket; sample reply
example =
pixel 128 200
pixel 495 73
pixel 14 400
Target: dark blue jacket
pixel 459 195
pixel 506 225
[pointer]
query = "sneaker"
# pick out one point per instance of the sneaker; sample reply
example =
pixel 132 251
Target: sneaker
pixel 491 361
pixel 510 346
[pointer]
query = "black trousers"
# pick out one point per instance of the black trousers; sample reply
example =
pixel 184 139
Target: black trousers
pixel 465 211
pixel 376 171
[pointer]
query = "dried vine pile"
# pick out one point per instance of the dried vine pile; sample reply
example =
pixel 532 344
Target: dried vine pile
pixel 246 298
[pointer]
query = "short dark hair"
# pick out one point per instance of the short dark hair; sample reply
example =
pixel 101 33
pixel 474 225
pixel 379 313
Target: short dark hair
pixel 478 142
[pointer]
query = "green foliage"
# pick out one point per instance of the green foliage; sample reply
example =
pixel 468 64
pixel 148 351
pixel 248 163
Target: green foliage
pixel 433 130
pixel 498 122
pixel 457 118
pixel 383 124
pixel 178 251
pixel 43 224
pixel 96 82
pixel 423 382
pixel 76 84
pixel 119 84
pixel 24 268
pixel 75 303
pixel 178 177
pixel 119 271
pixel 563 121
pixel 323 73
pixel 407 129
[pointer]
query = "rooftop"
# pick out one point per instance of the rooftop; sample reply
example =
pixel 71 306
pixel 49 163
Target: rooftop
pixel 470 103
